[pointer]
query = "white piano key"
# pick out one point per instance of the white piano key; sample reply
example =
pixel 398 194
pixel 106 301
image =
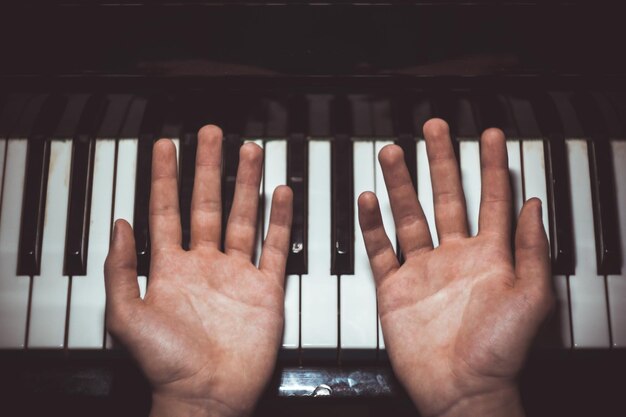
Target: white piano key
pixel 470 177
pixel 387 215
pixel 590 323
pixel 515 172
pixel 275 174
pixel 425 190
pixel 358 318
pixel 13 289
pixel 124 203
pixel 556 331
pixel 617 283
pixel 49 291
pixel 259 229
pixel 535 176
pixel 88 298
pixel 319 287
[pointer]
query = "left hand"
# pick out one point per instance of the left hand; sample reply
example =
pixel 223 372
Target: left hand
pixel 207 333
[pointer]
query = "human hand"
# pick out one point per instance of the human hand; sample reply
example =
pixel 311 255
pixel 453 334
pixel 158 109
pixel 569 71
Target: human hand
pixel 207 333
pixel 458 319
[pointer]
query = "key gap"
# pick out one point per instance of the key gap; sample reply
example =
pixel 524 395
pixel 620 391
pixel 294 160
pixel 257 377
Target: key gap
pixel 569 309
pixel 30 299
pixel 67 313
pixel 300 320
pixel 608 310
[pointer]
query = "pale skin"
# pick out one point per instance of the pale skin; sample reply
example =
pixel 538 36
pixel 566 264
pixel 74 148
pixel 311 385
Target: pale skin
pixel 457 320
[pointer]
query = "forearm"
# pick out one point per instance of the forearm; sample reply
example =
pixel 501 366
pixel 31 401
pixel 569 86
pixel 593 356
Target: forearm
pixel 503 403
pixel 172 407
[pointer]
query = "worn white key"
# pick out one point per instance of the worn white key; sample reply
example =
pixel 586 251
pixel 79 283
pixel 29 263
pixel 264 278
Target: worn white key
pixel 13 289
pixel 49 292
pixel 386 214
pixel 470 177
pixel 276 174
pixel 425 190
pixel 590 323
pixel 86 326
pixel 556 331
pixel 358 318
pixel 124 203
pixel 259 230
pixel 617 283
pixel 515 172
pixel 319 287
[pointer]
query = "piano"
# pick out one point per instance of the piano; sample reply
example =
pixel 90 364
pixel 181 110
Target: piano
pixel 87 86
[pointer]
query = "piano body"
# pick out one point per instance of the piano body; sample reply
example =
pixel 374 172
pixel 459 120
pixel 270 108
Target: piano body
pixel 87 86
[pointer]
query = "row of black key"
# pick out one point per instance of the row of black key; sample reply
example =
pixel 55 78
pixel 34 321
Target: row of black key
pixel 41 118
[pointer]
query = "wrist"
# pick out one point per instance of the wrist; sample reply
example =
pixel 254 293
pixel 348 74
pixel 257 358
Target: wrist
pixel 165 406
pixel 505 402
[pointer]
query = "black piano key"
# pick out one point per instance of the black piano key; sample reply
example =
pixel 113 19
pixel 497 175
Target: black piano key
pixel 559 197
pixel 492 110
pixel 342 232
pixel 187 170
pixel 81 177
pixel 405 138
pixel 405 133
pixel 35 184
pixel 230 163
pixel 149 132
pixel 188 147
pixel 605 215
pixel 13 107
pixel 297 180
pixel 444 106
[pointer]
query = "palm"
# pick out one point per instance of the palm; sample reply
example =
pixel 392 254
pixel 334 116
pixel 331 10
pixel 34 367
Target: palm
pixel 208 330
pixel 196 297
pixel 457 319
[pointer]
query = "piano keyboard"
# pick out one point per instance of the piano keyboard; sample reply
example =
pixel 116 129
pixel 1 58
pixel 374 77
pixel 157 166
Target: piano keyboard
pixel 71 164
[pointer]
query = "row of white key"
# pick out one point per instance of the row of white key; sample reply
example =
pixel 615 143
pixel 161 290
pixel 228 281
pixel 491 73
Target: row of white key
pixel 316 322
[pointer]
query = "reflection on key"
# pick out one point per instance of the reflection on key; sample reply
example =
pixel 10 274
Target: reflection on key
pixel 359 326
pixel 387 216
pixel 275 174
pixel 556 331
pixel 88 298
pixel 13 288
pixel 49 293
pixel 470 177
pixel 318 286
pixel 617 283
pixel 590 323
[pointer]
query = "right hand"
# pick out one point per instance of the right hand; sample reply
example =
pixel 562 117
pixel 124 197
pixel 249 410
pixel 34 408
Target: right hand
pixel 458 319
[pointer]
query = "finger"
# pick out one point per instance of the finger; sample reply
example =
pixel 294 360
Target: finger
pixel 383 259
pixel 165 229
pixel 411 225
pixel 449 201
pixel 206 200
pixel 241 228
pixel 532 261
pixel 276 245
pixel 120 275
pixel 495 194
